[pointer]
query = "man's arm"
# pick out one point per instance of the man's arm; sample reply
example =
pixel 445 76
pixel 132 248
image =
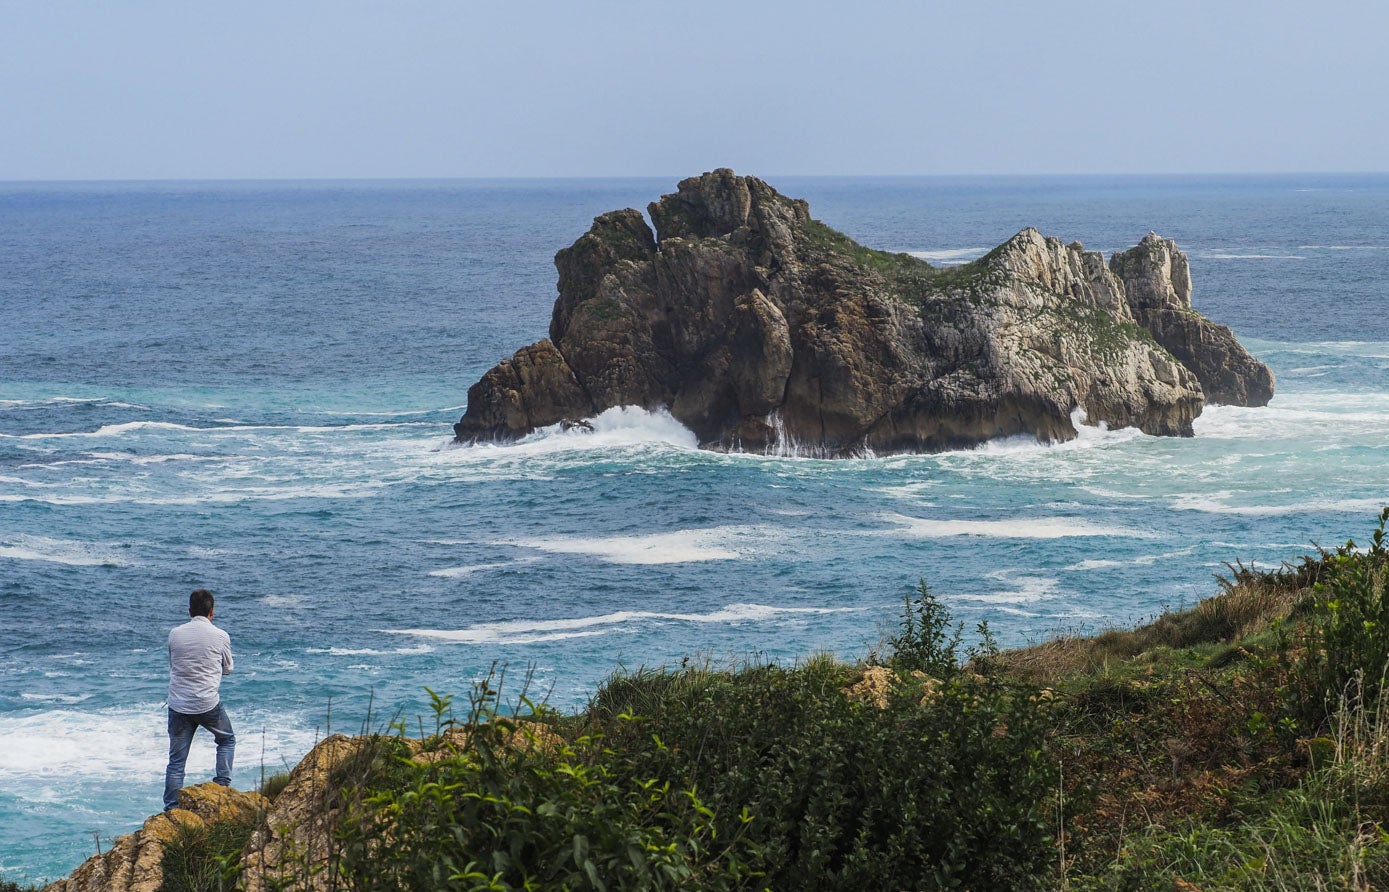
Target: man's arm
pixel 227 658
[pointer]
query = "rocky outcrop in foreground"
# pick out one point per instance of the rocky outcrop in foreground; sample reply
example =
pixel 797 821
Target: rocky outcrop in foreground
pixel 760 328
pixel 290 841
pixel 134 863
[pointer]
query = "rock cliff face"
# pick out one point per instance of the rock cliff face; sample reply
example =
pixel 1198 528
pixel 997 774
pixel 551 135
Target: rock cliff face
pixel 760 328
pixel 1157 280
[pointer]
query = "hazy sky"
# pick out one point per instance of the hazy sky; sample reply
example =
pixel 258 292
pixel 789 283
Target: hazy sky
pixel 112 89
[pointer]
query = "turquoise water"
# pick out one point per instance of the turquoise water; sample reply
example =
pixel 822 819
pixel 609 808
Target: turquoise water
pixel 250 387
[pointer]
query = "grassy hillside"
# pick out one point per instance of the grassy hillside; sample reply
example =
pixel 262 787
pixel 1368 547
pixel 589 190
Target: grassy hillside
pixel 1239 744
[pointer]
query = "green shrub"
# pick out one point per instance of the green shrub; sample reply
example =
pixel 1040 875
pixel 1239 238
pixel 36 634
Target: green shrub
pixel 928 642
pixel 939 792
pixel 1346 653
pixel 511 810
pixel 205 858
pixel 272 786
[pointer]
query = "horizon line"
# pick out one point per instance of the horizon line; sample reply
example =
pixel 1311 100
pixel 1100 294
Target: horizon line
pixel 677 177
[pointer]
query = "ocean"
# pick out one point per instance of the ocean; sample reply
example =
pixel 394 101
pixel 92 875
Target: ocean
pixel 249 387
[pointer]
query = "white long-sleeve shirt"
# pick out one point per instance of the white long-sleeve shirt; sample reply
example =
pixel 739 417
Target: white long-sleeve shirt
pixel 199 655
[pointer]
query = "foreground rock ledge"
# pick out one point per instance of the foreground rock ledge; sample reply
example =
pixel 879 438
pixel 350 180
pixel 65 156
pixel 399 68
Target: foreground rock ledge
pixel 291 840
pixel 134 862
pixel 764 330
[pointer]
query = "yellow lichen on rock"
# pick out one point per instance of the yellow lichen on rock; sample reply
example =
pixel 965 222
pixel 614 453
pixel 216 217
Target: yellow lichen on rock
pixel 873 687
pixel 291 849
pixel 134 863
pixel 517 734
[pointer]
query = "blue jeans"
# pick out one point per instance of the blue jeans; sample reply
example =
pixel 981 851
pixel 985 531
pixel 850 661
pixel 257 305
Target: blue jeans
pixel 181 730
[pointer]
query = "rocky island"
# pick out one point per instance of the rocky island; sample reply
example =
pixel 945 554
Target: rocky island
pixel 760 328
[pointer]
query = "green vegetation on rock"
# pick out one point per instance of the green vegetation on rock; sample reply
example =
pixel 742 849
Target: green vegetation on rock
pixel 909 278
pixel 205 857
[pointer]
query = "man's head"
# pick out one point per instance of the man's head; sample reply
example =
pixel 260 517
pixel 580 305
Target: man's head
pixel 200 603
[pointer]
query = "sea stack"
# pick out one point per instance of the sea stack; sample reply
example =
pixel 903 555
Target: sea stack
pixel 759 328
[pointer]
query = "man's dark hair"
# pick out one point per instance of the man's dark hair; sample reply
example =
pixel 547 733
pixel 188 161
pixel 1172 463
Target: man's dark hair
pixel 200 602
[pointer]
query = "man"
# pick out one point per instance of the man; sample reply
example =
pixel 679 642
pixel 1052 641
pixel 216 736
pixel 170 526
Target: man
pixel 199 655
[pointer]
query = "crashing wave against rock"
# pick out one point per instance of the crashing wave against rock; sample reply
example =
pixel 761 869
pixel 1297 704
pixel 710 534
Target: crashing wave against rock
pixel 754 324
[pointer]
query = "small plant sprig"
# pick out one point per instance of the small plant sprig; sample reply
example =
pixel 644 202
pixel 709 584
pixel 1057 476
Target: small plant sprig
pixel 927 642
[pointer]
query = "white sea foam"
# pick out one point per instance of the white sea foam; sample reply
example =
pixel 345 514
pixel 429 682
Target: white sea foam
pixel 1362 349
pixel 950 256
pixel 1218 503
pixel 60 551
pixel 907 490
pixel 726 543
pixel 1145 560
pixel 347 428
pixel 1026 589
pixel 54 698
pixel 530 632
pixel 399 413
pixel 155 459
pixel 618 426
pixel 1351 416
pixel 62 400
pixel 228 496
pixel 461 572
pixel 346 651
pixel 618 433
pixel 1098 564
pixel 59 464
pixel 1114 494
pixel 1088 436
pixel 108 431
pixel 290 601
pixel 20 481
pixel 71 746
pixel 369 651
pixel 1220 256
pixel 1013 528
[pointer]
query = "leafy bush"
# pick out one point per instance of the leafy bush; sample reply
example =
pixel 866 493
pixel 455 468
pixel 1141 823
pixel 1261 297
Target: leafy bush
pixel 1346 653
pixel 933 792
pixel 508 808
pixel 928 643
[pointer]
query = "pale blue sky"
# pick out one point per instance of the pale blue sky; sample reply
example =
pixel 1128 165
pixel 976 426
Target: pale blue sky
pixel 115 89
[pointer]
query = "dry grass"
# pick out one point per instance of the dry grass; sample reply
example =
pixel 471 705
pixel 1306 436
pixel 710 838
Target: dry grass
pixel 1245 606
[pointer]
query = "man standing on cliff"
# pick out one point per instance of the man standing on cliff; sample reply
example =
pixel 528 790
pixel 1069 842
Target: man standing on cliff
pixel 199 655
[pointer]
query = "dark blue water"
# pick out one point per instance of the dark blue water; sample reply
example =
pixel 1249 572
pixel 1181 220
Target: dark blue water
pixel 249 387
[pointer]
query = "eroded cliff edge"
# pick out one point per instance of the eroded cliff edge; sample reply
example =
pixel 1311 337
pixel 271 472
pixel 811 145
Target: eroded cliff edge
pixel 759 327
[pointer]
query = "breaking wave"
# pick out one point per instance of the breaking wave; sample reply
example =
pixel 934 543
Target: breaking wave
pixel 531 632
